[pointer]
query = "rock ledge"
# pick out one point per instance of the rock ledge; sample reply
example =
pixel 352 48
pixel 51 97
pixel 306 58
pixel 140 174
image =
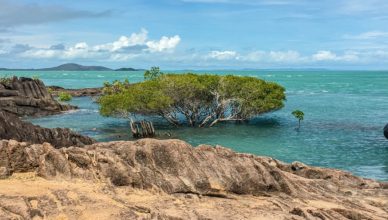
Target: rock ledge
pixel 169 179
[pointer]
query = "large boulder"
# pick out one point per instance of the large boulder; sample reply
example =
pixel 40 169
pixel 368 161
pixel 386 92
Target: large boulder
pixel 386 131
pixel 12 127
pixel 28 97
pixel 169 179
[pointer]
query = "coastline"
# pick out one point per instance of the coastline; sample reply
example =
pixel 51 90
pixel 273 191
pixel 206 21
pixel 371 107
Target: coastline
pixel 82 92
pixel 171 179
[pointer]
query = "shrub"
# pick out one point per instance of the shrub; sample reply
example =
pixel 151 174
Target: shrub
pixel 64 97
pixel 153 73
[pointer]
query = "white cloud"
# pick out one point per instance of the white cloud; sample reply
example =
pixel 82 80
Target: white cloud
pixel 223 55
pixel 285 56
pixel 254 56
pixel 124 42
pixel 166 43
pixel 124 48
pixel 325 55
pixel 40 53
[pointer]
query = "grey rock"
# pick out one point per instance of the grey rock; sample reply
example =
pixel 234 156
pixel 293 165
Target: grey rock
pixel 12 127
pixel 56 90
pixel 28 97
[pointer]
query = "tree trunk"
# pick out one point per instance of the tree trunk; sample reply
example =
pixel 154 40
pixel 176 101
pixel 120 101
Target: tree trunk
pixel 142 129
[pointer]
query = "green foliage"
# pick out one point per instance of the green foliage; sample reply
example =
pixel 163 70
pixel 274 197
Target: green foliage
pixel 115 87
pixel 5 80
pixel 298 114
pixel 50 90
pixel 35 77
pixel 64 97
pixel 153 73
pixel 200 99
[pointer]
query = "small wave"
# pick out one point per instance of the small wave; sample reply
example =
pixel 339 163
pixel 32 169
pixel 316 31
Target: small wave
pixel 324 91
pixel 72 111
pixel 100 76
pixel 88 110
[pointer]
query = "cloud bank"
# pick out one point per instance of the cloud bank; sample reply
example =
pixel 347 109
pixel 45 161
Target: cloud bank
pixel 124 48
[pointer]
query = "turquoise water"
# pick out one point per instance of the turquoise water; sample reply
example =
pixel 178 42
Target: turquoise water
pixel 345 112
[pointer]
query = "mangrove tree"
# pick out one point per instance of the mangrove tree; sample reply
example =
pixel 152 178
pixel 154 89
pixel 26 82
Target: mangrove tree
pixel 197 100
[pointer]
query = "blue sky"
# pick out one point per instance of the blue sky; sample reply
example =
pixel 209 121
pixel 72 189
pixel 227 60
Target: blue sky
pixel 195 34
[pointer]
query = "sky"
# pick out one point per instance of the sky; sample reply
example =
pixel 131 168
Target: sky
pixel 195 34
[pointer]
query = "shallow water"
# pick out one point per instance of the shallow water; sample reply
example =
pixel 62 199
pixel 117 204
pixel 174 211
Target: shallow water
pixel 345 112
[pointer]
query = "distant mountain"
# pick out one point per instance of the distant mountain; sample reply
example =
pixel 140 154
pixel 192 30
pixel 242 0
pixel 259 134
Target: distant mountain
pixel 76 67
pixel 128 69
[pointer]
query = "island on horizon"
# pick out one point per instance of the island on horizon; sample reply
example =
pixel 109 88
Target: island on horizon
pixel 73 67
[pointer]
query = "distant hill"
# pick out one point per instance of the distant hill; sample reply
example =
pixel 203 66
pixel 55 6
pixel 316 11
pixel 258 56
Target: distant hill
pixel 76 67
pixel 128 69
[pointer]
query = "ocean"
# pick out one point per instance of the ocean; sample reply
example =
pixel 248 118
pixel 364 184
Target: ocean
pixel 345 113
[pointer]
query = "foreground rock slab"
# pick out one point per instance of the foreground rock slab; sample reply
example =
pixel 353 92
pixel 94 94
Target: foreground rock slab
pixel 28 97
pixel 169 179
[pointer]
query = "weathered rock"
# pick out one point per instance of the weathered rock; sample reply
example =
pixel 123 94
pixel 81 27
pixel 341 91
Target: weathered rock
pixel 55 90
pixel 386 131
pixel 28 97
pixel 169 179
pixel 11 127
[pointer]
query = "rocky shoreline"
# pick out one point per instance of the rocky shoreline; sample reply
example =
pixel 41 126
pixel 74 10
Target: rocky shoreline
pixel 20 97
pixel 55 90
pixel 14 128
pixel 169 179
pixel 28 97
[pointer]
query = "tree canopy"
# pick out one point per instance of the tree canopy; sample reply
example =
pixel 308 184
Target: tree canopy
pixel 198 100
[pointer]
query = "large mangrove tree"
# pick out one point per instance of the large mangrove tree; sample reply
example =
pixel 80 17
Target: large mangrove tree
pixel 197 100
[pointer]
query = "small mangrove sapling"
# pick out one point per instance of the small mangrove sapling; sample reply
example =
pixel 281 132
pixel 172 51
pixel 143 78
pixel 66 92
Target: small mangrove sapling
pixel 298 114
